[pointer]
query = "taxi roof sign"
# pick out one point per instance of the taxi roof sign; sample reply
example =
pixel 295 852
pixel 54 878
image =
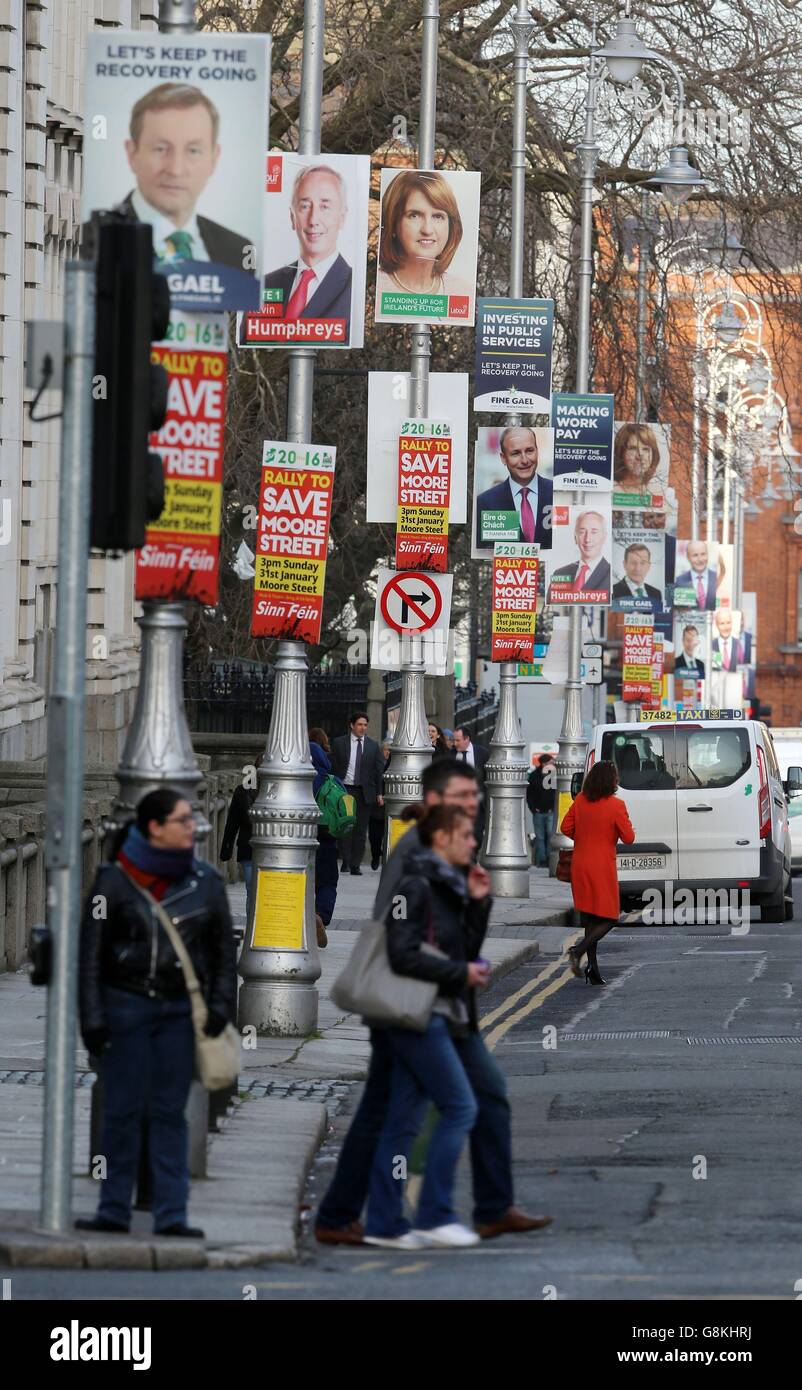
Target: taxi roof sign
pixel 686 716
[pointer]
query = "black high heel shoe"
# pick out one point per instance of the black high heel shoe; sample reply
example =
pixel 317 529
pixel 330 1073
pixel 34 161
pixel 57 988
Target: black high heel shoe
pixel 592 975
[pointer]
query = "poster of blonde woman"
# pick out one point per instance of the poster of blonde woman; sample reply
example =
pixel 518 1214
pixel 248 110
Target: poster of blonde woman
pixel 428 246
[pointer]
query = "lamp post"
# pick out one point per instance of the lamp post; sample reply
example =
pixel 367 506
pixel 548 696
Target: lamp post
pixel 625 55
pixel 158 748
pixel 279 994
pixel 412 747
pixel 505 849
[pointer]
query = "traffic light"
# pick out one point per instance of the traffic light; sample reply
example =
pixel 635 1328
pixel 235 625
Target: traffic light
pixel 130 392
pixel 757 710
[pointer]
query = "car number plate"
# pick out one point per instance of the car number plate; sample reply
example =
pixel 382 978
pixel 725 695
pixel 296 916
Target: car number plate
pixel 642 862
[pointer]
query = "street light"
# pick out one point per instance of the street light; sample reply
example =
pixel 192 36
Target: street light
pixel 677 179
pixel 626 53
pixel 729 325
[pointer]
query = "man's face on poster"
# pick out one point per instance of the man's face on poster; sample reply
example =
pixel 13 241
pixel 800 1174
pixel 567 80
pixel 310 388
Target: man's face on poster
pixel 697 556
pixel 724 623
pixel 590 535
pixel 174 158
pixel 519 455
pixel 690 641
pixel 637 564
pixel 317 215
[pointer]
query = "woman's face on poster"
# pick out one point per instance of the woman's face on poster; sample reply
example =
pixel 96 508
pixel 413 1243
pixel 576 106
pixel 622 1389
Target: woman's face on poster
pixel 422 229
pixel 637 458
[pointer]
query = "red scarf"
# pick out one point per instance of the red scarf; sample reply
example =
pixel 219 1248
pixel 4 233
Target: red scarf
pixel 152 882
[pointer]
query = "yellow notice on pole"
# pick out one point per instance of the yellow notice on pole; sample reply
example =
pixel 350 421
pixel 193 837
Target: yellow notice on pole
pixel 565 804
pixel 398 828
pixel 279 915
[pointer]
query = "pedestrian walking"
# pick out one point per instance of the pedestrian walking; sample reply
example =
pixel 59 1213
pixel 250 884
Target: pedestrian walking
pixel 447 910
pixel 444 783
pixel 442 748
pixel 377 819
pixel 358 762
pixel 540 800
pixel 595 822
pixel 327 874
pixel 134 1005
pixel 237 831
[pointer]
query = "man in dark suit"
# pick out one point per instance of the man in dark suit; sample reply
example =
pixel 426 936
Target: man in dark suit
pixel 522 492
pixel 475 755
pixel 687 663
pixel 358 762
pixel 699 577
pixel 173 151
pixel 637 563
pixel 727 651
pixel 318 284
pixel 592 570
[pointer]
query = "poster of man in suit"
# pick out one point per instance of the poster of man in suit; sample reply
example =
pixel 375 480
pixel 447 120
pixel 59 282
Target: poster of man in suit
pixel 690 645
pixel 315 237
pixel 696 575
pixel 174 135
pixel 578 570
pixel 638 570
pixel 729 647
pixel 512 487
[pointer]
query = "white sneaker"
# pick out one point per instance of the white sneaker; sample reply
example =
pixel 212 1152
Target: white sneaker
pixel 454 1235
pixel 410 1241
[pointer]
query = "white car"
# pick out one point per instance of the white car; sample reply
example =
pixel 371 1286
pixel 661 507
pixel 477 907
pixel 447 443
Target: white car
pixel 708 804
pixel 788 747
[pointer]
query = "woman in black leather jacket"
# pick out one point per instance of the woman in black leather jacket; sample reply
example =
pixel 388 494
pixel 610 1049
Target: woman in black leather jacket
pixel 134 1005
pixel 435 928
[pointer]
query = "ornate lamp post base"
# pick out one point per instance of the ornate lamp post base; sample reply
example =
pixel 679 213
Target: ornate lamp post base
pixel 505 848
pixel 412 747
pixel 279 963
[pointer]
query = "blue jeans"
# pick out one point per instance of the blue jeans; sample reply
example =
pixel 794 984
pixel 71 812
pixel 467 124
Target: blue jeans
pixel 148 1066
pixel 544 826
pixel 490 1142
pixel 426 1067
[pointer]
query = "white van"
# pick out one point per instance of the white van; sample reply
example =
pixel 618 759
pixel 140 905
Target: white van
pixel 708 804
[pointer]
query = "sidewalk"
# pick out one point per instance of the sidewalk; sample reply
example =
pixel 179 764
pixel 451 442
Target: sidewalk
pixel 290 1089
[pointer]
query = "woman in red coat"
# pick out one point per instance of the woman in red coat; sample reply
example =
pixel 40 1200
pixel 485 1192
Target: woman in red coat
pixel 596 822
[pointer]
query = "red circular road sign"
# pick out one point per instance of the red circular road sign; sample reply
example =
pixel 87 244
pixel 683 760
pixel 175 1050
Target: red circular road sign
pixel 411 595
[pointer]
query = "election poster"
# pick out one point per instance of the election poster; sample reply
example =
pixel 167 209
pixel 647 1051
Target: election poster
pixel 315 239
pixel 175 132
pixel 583 442
pixel 292 540
pixel 513 355
pixel 512 488
pixel 428 247
pixel 725 573
pixel 424 485
pixel 515 571
pixel 578 568
pixel 731 644
pixel 389 411
pixel 638 659
pixel 180 557
pixel 641 460
pixel 690 645
pixel 696 575
pixel 638 570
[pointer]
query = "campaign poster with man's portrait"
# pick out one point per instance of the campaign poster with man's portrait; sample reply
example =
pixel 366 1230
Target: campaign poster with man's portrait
pixel 641 460
pixel 175 132
pixel 512 487
pixel 638 570
pixel 579 566
pixel 696 575
pixel 731 644
pixel 315 239
pixel 428 247
pixel 690 645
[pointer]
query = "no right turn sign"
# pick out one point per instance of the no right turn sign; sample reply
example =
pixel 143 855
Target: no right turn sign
pixel 412 604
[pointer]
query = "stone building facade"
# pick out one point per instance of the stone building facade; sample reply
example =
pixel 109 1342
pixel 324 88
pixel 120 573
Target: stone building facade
pixel 42 46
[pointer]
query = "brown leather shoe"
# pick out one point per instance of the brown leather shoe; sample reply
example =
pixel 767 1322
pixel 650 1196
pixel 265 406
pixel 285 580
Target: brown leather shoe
pixel 513 1222
pixel 340 1235
pixel 322 939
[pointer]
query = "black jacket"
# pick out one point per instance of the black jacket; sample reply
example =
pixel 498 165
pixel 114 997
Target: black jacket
pixel 437 908
pixel 124 945
pixel 538 797
pixel 372 779
pixel 238 826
